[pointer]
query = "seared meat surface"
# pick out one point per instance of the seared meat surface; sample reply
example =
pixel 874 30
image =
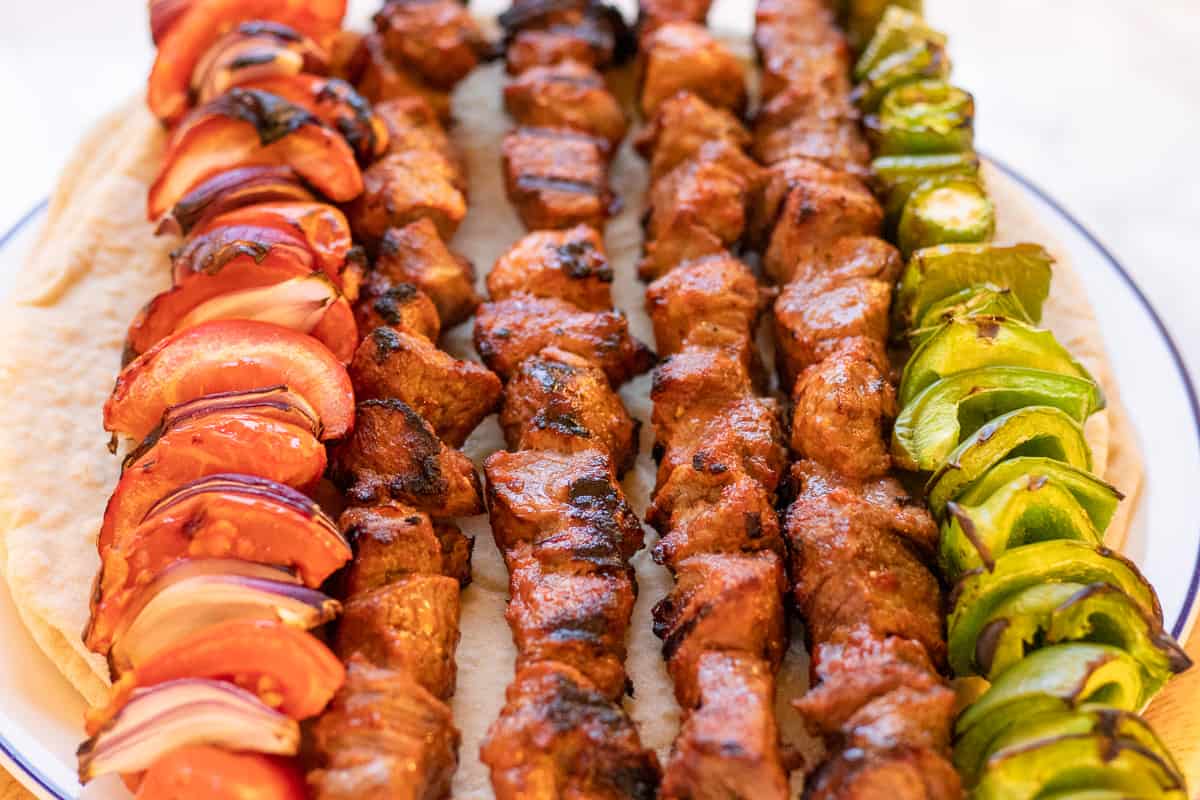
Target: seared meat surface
pixel 439 40
pixel 409 624
pixel 395 540
pixel 569 265
pixel 558 737
pixel 570 95
pixel 384 737
pixel 394 454
pixel 417 254
pixel 681 126
pixel 684 56
pixel 557 178
pixel 511 330
pixel 451 395
pixel 384 302
pixel 405 187
pixel 561 402
pixel 709 302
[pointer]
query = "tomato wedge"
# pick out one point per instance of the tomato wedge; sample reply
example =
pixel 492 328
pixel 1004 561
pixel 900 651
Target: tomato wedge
pixel 319 227
pixel 230 189
pixel 200 772
pixel 306 302
pixel 256 441
pixel 224 356
pixel 191 33
pixel 289 669
pixel 245 127
pixel 334 102
pixel 223 515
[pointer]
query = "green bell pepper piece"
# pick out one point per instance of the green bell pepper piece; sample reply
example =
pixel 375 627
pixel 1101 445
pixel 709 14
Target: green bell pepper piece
pixel 1056 678
pixel 933 423
pixel 1029 509
pixel 947 210
pixel 1095 759
pixel 975 342
pixel 936 273
pixel 921 60
pixel 882 27
pixel 928 116
pixel 1098 499
pixel 1030 431
pixel 1072 612
pixel 895 177
pixel 980 592
pixel 984 300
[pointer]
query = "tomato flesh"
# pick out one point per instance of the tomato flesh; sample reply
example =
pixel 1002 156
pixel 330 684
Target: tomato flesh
pixel 224 356
pixel 210 142
pixel 183 43
pixel 202 772
pixel 322 228
pixel 224 523
pixel 289 669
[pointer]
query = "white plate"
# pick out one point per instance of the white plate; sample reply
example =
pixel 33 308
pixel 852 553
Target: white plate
pixel 40 714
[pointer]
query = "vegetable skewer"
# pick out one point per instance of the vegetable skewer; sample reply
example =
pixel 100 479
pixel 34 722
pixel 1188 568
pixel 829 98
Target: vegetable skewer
pixel 1064 636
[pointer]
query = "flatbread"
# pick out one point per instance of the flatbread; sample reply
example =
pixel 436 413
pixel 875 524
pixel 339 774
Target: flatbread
pixel 97 261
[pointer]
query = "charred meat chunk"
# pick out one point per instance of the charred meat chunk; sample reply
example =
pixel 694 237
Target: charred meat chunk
pixel 559 401
pixel 568 95
pixel 394 454
pixel 453 396
pixel 814 123
pixel 405 187
pixel 410 624
pixel 418 255
pixel 722 602
pixel 557 178
pixel 842 407
pixel 509 331
pixel 378 79
pixel 570 265
pixel 729 744
pixel 681 126
pixel 383 737
pixel 437 39
pixel 384 302
pixel 709 302
pixel 852 567
pixel 389 541
pixel 413 124
pixel 684 56
pixel 557 736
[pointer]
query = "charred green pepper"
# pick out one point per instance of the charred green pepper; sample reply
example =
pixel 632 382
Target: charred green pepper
pixel 980 592
pixel 984 300
pixel 928 116
pixel 933 423
pixel 936 273
pixel 1087 749
pixel 921 60
pixel 1030 431
pixel 1019 501
pixel 1057 678
pixel 948 210
pixel 974 342
pixel 896 177
pixel 882 28
pixel 1074 612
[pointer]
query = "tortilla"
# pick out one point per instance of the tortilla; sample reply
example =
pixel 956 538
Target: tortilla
pixel 97 261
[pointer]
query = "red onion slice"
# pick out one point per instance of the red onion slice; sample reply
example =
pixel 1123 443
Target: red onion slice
pixel 231 189
pixel 298 304
pixel 251 51
pixel 192 595
pixel 180 713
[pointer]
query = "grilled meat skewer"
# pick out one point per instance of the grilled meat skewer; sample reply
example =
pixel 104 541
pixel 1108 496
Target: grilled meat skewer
pixel 719 442
pixel 858 544
pixel 557 510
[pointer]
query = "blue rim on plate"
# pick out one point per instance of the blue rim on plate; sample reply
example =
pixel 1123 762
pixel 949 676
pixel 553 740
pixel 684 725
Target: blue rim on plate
pixel 37 777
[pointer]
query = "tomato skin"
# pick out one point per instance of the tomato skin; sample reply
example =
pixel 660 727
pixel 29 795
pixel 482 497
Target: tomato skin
pixel 192 32
pixel 222 524
pixel 322 228
pixel 201 772
pixel 229 355
pixel 290 669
